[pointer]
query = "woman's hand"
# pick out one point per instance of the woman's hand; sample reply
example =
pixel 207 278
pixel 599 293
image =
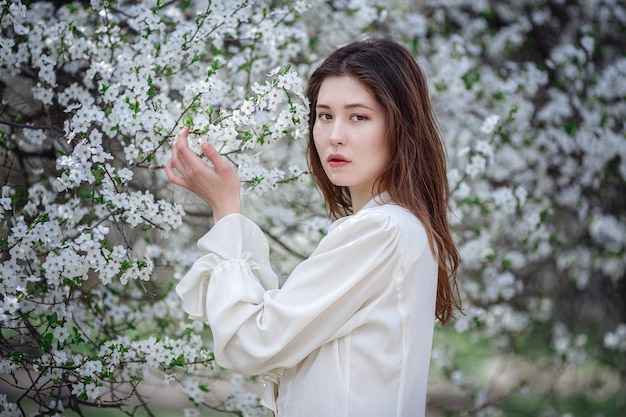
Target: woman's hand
pixel 218 185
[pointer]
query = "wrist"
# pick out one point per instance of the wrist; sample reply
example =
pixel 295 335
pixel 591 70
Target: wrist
pixel 223 211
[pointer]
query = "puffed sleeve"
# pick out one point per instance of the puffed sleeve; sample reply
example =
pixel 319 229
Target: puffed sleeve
pixel 234 239
pixel 256 326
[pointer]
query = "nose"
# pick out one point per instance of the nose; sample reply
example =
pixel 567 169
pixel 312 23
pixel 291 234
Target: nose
pixel 337 135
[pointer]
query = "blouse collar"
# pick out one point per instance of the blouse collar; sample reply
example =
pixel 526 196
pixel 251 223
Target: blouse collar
pixel 379 200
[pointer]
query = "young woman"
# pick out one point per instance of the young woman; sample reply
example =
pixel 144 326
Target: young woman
pixel 350 331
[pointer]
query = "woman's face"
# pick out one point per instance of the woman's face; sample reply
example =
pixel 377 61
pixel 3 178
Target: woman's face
pixel 350 134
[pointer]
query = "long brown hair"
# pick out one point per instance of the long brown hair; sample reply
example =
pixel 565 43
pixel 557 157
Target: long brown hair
pixel 416 177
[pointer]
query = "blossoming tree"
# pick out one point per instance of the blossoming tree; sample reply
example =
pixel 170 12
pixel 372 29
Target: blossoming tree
pixel 93 238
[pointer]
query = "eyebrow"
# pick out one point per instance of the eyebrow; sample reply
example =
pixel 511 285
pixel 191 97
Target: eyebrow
pixel 347 106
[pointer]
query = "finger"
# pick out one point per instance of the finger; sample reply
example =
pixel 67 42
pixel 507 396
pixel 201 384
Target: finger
pixel 175 160
pixel 180 140
pixel 182 135
pixel 182 154
pixel 220 164
pixel 173 176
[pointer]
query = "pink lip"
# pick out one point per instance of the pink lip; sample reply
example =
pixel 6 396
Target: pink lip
pixel 336 160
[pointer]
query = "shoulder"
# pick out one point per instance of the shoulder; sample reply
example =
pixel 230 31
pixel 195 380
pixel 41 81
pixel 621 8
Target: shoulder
pixel 388 218
pixel 409 226
pixel 392 213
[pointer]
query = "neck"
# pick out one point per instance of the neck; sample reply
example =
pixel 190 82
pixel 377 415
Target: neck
pixel 360 198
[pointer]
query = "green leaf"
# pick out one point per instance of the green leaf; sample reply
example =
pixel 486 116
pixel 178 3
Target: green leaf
pixel 179 361
pixel 53 319
pixel 126 265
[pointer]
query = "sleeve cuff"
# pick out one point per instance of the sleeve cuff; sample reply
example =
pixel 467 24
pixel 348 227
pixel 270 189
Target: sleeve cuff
pixel 234 238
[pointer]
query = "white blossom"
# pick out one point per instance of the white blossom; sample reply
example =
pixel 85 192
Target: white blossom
pixel 489 124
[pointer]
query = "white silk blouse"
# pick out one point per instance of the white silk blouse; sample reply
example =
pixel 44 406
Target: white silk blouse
pixel 349 334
